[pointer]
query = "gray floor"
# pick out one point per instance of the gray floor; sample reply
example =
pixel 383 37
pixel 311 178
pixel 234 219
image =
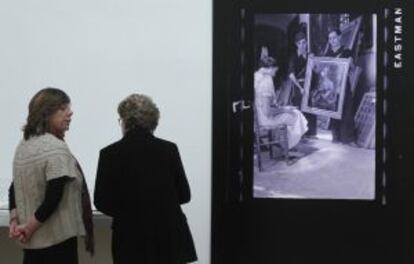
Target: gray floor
pixel 323 170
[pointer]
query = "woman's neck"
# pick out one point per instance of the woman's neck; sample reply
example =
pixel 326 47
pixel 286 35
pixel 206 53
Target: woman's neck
pixel 265 71
pixel 58 134
pixel 302 53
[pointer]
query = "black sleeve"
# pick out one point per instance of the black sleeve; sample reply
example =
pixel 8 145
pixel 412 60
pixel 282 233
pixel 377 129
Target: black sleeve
pixel 12 199
pixel 291 66
pixel 346 53
pixel 104 186
pixel 53 196
pixel 180 179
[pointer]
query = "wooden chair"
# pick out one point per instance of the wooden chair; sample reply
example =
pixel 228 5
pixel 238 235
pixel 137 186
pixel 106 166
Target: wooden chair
pixel 269 137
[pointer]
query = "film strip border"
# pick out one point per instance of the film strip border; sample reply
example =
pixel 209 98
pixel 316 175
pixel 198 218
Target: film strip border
pixel 385 66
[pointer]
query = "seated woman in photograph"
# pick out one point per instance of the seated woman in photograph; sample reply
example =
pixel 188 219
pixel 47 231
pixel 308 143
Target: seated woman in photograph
pixel 270 115
pixel 324 96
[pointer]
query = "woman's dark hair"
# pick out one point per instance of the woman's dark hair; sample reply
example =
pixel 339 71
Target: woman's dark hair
pixel 299 36
pixel 41 107
pixel 267 62
pixel 336 30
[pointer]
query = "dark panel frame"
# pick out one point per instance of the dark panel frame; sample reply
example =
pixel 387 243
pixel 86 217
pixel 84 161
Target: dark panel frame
pixel 246 230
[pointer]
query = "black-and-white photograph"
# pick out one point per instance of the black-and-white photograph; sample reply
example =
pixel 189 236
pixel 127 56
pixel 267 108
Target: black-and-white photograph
pixel 314 106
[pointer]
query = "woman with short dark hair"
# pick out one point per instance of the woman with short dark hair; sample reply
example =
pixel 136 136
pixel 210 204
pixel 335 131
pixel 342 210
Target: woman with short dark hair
pixel 141 183
pixel 296 75
pixel 48 199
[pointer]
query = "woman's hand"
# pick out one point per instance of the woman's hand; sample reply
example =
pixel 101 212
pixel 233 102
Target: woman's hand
pixel 13 223
pixel 302 90
pixel 27 230
pixel 13 231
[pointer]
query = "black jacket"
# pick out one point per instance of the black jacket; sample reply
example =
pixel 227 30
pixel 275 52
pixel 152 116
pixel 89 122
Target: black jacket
pixel 141 183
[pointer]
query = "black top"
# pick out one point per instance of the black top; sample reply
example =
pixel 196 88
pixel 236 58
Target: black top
pixel 141 183
pixel 53 196
pixel 343 130
pixel 340 53
pixel 297 65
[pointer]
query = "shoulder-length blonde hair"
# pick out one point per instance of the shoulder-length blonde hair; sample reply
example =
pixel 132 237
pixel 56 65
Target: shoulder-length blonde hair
pixel 41 107
pixel 139 111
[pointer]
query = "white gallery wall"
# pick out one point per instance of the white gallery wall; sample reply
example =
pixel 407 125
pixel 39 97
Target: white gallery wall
pixel 99 52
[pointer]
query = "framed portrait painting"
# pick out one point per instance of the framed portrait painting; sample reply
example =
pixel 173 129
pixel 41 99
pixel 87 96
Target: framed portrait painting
pixel 325 83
